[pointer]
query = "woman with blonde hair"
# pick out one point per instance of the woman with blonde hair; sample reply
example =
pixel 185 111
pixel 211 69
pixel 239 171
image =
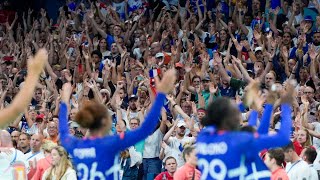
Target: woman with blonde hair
pixel 45 163
pixel 61 166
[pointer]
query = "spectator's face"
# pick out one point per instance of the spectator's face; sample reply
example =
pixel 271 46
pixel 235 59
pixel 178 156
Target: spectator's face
pixel 155 48
pixel 256 5
pixel 308 24
pixel 269 79
pixel 211 28
pixel 120 126
pixel 205 85
pixel 114 48
pixel 201 114
pixel 55 157
pixel 247 20
pixel 232 26
pixel 259 55
pixel 196 82
pixel 32 113
pixel 121 93
pixel 291 64
pixel 116 30
pixel 288 155
pixel 52 129
pixel 223 35
pixel 181 131
pixel 286 40
pixel 133 104
pixel 316 39
pixel 9 68
pixel 15 135
pixel 103 44
pixel 95 58
pixel 309 92
pixel 73 113
pixel 303 73
pixel 301 136
pixel 171 165
pixel 23 141
pixel 143 40
pixel 186 107
pixel 36 142
pixel 301 91
pixel 134 124
pixel 38 95
pixel 258 67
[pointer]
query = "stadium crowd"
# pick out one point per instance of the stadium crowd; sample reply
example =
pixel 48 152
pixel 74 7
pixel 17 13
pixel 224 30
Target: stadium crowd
pixel 113 53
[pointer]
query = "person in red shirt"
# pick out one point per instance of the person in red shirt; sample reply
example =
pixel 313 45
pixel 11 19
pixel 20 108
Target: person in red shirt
pixel 189 170
pixel 170 164
pixel 273 160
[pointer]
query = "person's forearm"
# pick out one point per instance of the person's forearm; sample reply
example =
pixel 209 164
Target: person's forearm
pixel 168 134
pixel 63 121
pixel 21 101
pixel 253 117
pixel 265 119
pixel 201 101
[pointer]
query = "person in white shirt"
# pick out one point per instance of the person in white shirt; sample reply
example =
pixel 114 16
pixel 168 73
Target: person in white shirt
pixel 13 163
pixel 309 155
pixel 35 154
pixel 151 162
pixel 296 168
pixel 178 141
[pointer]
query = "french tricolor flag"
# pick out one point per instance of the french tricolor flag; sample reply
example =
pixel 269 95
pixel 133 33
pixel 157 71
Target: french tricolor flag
pixel 152 74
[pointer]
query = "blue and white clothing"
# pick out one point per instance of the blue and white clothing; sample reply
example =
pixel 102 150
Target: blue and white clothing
pixel 234 155
pixel 98 158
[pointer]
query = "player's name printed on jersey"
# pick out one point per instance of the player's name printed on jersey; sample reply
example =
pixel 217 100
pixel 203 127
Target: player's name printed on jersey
pixel 212 148
pixel 83 153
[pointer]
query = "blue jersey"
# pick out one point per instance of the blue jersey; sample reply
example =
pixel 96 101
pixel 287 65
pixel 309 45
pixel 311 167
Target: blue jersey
pixel 98 158
pixel 234 155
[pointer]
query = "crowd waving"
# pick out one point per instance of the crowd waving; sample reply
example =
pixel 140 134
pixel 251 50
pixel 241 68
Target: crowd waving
pixel 161 89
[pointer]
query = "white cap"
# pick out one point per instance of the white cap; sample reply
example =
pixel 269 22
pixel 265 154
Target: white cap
pixel 159 55
pixel 181 123
pixel 258 49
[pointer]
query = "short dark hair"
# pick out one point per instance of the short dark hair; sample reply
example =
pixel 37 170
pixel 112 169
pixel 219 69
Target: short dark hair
pixel 276 154
pixel 311 154
pixel 97 52
pixel 288 147
pixel 135 118
pixel 26 134
pixel 187 151
pixel 222 114
pixel 168 158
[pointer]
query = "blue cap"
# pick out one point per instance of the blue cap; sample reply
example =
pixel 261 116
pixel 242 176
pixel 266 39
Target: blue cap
pixel 308 18
pixel 229 73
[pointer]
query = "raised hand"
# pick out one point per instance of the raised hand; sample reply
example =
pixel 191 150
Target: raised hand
pixel 289 96
pixel 312 52
pixel 37 63
pixel 66 92
pixel 257 35
pixel 166 85
pixel 213 88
